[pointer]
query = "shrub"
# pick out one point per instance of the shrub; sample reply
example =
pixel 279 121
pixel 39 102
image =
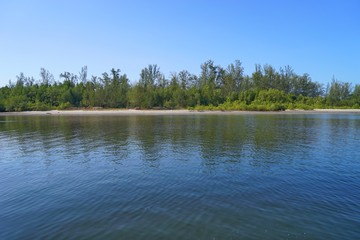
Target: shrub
pixel 64 106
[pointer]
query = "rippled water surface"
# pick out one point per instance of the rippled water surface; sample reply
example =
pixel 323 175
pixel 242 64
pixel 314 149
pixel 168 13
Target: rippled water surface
pixel 280 176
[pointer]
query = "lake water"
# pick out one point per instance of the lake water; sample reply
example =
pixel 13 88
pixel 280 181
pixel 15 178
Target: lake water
pixel 256 176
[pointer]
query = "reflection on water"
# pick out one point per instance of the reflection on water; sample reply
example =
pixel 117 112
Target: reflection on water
pixel 180 177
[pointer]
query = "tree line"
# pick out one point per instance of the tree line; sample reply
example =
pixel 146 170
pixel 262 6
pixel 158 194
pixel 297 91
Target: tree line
pixel 215 88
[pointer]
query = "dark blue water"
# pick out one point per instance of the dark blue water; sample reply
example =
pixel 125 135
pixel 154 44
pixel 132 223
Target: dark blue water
pixel 280 176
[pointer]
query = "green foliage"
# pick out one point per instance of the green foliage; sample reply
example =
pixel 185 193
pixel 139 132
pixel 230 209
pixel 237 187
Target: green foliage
pixel 64 106
pixel 16 103
pixel 271 96
pixel 247 96
pixel 339 94
pixel 136 96
pixel 38 106
pixel 216 88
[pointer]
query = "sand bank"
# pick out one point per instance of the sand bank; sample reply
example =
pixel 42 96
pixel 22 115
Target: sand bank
pixel 131 112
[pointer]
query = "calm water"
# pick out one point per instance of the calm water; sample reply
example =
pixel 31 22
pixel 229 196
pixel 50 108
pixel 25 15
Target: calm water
pixel 180 177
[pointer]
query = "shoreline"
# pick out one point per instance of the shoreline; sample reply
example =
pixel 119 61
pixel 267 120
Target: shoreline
pixel 133 112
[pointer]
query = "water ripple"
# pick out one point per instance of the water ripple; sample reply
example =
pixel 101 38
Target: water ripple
pixel 185 177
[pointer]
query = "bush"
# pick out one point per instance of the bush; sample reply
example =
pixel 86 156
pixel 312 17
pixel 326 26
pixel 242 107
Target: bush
pixel 17 104
pixel 303 106
pixel 64 106
pixel 2 107
pixel 272 96
pixel 355 106
pixel 247 96
pixel 39 106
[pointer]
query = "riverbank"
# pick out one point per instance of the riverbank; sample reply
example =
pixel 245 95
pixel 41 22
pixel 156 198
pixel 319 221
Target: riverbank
pixel 130 112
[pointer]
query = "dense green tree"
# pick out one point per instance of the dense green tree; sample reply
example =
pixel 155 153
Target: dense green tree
pixel 233 81
pixel 215 88
pixel 285 79
pixel 210 82
pixel 356 95
pixel 89 94
pixel 115 89
pixel 339 93
pixel 257 78
pixel 175 93
pixel 272 96
pixel 247 96
pixel 303 85
pixel 137 96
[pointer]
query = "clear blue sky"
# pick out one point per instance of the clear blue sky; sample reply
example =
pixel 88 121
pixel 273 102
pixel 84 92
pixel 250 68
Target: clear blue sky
pixel 321 38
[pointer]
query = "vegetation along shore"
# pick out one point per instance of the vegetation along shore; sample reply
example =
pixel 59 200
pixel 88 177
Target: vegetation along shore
pixel 215 89
pixel 133 112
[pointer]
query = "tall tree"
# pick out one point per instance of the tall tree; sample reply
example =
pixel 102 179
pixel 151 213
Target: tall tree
pixel 303 85
pixel 46 78
pixel 257 78
pixel 83 74
pixel 210 82
pixel 233 80
pixel 152 81
pixel 118 89
pixel 338 92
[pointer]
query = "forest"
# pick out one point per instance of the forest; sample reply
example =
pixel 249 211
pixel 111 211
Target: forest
pixel 215 88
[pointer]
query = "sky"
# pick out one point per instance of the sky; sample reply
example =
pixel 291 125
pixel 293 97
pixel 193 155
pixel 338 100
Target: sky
pixel 317 37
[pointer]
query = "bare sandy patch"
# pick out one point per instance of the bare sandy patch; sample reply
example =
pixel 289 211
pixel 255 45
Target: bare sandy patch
pixel 133 112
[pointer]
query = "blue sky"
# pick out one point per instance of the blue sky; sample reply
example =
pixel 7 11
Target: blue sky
pixel 321 38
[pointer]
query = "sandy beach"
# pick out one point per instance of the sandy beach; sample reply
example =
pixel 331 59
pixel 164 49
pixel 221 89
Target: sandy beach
pixel 131 112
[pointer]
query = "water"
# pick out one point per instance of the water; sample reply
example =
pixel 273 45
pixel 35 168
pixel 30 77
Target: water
pixel 271 176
